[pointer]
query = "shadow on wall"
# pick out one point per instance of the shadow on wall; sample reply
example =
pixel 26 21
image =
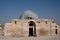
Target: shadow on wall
pixel 43 32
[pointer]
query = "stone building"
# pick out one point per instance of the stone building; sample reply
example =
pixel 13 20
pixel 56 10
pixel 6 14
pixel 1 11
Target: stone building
pixel 30 25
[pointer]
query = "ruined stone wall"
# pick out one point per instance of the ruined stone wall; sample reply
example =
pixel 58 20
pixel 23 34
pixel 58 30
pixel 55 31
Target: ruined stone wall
pixel 20 28
pixel 44 29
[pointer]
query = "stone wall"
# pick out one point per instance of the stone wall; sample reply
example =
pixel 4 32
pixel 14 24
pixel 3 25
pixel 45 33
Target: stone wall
pixel 20 28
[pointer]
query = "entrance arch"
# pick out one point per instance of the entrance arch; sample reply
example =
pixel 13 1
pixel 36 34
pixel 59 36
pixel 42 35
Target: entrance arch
pixel 32 28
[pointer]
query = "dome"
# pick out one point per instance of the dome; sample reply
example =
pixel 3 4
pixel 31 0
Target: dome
pixel 29 15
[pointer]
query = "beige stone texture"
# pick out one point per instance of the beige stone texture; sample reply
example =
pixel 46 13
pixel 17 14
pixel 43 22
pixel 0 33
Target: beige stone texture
pixel 21 28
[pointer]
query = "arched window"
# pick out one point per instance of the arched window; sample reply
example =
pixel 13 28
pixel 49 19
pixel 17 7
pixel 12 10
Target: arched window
pixel 55 26
pixel 46 22
pixel 30 17
pixel 52 21
pixel 31 24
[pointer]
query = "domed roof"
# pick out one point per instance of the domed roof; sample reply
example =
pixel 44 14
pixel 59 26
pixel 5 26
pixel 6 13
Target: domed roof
pixel 29 14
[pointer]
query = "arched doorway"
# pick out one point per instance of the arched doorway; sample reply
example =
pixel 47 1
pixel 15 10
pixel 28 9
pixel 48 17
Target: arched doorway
pixel 32 28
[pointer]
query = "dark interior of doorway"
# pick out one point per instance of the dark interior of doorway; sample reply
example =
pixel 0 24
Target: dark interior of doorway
pixel 30 31
pixel 55 31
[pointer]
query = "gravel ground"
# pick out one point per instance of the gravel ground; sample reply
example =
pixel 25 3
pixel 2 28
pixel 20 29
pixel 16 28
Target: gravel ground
pixel 32 38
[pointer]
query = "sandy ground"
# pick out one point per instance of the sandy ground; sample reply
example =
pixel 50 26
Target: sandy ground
pixel 31 38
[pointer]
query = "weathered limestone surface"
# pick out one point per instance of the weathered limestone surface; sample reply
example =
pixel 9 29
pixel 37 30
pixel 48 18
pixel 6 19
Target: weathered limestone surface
pixel 20 28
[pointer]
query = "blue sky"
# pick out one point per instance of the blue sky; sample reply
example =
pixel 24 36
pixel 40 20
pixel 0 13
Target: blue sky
pixel 12 9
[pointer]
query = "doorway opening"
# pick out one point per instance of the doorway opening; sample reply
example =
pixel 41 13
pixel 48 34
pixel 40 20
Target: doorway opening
pixel 55 31
pixel 30 31
pixel 32 28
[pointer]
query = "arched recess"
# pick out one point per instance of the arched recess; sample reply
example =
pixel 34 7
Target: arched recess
pixel 32 28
